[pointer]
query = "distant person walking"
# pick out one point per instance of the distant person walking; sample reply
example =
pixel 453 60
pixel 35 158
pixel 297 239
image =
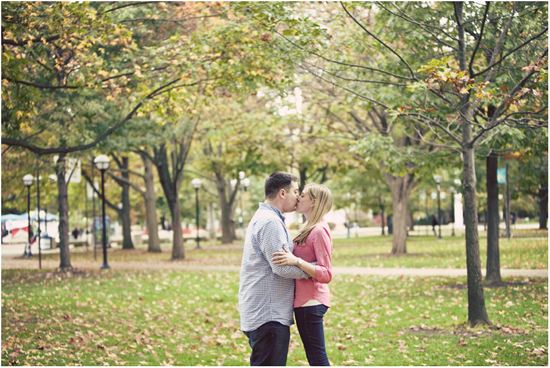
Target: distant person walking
pixel 434 224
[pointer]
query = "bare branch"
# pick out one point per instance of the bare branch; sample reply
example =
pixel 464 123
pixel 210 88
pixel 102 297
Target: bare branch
pixel 379 40
pixel 120 180
pixel 421 25
pixel 131 4
pixel 479 38
pixel 511 52
pixel 35 40
pixel 38 85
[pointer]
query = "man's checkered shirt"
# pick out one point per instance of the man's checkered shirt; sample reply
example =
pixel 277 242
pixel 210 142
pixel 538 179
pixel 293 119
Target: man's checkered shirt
pixel 266 291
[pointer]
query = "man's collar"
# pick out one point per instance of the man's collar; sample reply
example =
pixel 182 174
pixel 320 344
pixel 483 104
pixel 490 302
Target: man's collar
pixel 271 207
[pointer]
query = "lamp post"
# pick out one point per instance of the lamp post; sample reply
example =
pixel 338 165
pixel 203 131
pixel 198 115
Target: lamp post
pixel 423 196
pixel 196 183
pixel 28 180
pixel 453 191
pixel 101 162
pixel 438 179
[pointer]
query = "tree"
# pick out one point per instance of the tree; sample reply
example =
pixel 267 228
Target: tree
pixel 445 96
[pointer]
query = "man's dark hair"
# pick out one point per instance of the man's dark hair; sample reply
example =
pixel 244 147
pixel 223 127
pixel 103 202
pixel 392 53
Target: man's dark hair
pixel 277 181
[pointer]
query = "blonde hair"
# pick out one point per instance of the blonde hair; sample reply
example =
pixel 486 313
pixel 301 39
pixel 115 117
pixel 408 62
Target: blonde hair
pixel 323 203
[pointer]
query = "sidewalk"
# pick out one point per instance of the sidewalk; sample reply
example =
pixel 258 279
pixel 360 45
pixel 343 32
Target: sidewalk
pixel 13 263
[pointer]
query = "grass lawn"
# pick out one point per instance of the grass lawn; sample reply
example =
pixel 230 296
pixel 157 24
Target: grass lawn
pixel 528 250
pixel 191 318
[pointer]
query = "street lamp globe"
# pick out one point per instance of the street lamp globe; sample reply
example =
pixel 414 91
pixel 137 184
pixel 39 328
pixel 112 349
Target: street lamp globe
pixel 28 180
pixel 196 183
pixel 241 175
pixel 246 183
pixel 438 178
pixel 102 162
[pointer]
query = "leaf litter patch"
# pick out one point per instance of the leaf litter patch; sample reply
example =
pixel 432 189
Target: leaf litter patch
pixel 461 331
pixel 463 285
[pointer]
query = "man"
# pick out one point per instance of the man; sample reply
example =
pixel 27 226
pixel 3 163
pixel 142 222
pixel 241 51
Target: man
pixel 266 291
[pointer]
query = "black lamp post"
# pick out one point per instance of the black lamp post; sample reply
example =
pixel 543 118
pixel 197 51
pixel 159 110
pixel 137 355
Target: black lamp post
pixel 196 183
pixel 438 179
pixel 28 180
pixel 453 191
pixel 101 162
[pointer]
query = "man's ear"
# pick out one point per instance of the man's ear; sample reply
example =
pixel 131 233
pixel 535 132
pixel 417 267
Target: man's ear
pixel 283 193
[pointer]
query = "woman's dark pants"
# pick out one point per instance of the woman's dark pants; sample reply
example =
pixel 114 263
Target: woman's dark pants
pixel 310 325
pixel 269 344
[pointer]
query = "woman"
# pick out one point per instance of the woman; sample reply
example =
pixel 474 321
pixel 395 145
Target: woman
pixel 312 253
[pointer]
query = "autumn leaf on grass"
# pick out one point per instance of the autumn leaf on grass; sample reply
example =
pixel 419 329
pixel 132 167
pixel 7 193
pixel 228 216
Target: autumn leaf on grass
pixel 461 342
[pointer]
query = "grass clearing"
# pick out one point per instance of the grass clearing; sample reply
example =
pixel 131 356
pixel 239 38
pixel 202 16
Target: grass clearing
pixel 191 318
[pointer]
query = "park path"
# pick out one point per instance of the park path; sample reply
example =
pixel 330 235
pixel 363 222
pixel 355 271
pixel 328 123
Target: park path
pixel 15 263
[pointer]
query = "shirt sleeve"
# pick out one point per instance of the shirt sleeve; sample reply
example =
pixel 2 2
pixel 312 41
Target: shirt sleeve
pixel 271 240
pixel 322 246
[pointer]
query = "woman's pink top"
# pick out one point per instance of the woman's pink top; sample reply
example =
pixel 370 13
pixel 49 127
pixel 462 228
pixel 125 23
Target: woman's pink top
pixel 317 248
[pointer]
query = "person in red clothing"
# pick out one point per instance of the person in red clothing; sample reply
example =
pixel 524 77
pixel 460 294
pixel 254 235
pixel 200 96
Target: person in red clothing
pixel 313 254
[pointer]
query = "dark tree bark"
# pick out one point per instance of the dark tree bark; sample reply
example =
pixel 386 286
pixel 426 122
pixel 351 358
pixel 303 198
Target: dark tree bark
pixel 492 275
pixel 400 187
pixel 124 213
pixel 543 202
pixel 171 185
pixel 227 207
pixel 150 206
pixel 62 196
pixel 477 312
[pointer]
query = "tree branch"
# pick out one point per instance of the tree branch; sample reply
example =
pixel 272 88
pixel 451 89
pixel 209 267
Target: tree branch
pixel 38 85
pixel 42 151
pixel 511 52
pixel 380 41
pixel 479 38
pixel 120 180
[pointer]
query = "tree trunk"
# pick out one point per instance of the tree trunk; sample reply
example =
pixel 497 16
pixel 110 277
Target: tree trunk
pixel 62 195
pixel 225 208
pixel 493 257
pixel 150 206
pixel 383 219
pixel 177 247
pixel 543 202
pixel 171 186
pixel 303 178
pixel 477 313
pixel 400 187
pixel 125 212
pixel 411 220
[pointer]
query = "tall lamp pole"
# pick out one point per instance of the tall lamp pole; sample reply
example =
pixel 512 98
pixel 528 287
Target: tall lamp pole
pixel 438 179
pixel 423 196
pixel 102 164
pixel 28 180
pixel 196 183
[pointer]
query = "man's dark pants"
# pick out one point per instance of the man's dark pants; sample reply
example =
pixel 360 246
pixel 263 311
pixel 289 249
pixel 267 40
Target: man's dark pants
pixel 269 344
